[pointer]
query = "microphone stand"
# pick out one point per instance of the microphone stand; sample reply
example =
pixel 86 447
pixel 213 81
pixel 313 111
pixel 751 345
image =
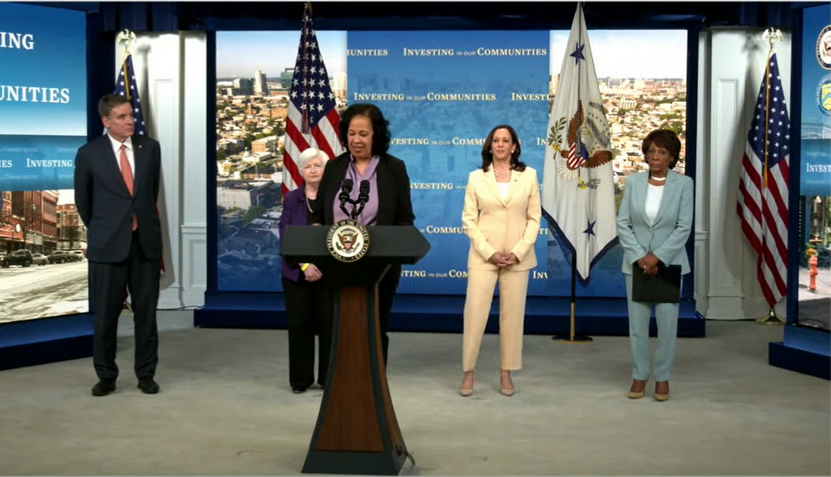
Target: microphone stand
pixel 362 202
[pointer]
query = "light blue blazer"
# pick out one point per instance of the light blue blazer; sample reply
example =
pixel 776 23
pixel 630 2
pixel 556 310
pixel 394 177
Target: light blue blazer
pixel 666 239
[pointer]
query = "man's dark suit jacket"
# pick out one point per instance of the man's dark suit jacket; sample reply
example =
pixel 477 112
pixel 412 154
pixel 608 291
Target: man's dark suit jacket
pixel 106 206
pixel 394 205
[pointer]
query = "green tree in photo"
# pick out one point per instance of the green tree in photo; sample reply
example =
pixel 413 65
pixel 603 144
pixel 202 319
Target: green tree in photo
pixel 253 212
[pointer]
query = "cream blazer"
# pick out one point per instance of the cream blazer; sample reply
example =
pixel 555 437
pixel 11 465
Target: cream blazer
pixel 493 224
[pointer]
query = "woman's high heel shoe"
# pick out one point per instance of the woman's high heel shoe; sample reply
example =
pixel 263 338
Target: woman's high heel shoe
pixel 661 391
pixel 467 391
pixel 636 391
pixel 506 391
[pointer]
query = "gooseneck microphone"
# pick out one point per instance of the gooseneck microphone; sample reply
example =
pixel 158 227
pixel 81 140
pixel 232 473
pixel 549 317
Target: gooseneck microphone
pixel 363 193
pixel 363 198
pixel 343 197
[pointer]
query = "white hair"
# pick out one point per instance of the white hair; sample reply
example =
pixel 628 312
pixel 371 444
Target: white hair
pixel 308 155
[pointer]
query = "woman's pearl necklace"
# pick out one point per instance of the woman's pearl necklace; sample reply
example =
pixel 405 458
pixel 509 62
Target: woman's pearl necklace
pixel 506 174
pixel 658 179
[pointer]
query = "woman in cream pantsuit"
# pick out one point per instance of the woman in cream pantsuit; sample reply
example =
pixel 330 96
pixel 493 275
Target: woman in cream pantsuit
pixel 653 225
pixel 501 217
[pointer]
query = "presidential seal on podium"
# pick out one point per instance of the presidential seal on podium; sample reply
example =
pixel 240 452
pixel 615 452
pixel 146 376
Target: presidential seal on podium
pixel 348 240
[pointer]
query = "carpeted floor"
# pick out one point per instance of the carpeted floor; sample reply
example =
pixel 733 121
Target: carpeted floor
pixel 226 409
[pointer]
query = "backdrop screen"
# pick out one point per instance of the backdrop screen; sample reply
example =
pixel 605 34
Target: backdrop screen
pixel 43 121
pixel 815 168
pixel 441 94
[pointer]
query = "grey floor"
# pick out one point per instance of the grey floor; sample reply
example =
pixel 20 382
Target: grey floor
pixel 226 409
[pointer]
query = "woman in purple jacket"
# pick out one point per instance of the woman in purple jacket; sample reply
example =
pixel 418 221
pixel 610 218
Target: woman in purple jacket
pixel 301 284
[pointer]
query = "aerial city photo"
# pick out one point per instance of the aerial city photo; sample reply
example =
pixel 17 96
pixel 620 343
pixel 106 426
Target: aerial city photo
pixel 639 92
pixel 254 74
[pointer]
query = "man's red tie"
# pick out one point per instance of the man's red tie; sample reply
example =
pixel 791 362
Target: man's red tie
pixel 127 174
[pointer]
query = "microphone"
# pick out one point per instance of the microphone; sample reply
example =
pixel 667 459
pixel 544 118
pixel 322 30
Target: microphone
pixel 345 190
pixel 343 197
pixel 363 194
pixel 363 198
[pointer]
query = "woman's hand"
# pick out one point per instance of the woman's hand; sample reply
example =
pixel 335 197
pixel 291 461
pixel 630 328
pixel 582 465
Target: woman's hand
pixel 312 273
pixel 649 264
pixel 510 259
pixel 501 259
pixel 496 259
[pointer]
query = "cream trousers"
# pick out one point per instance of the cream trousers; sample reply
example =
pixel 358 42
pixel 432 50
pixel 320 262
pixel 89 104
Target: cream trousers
pixel 513 287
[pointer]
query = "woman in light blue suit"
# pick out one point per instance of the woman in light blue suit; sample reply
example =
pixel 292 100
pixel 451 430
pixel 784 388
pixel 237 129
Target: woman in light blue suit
pixel 653 226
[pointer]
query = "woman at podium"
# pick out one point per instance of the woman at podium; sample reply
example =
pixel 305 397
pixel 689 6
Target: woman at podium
pixel 501 216
pixel 301 283
pixel 653 226
pixel 369 185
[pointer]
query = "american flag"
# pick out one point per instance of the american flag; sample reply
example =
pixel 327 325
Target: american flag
pixel 763 188
pixel 312 118
pixel 126 86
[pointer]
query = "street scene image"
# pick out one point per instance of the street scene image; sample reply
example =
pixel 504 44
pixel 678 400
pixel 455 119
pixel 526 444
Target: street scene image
pixel 43 269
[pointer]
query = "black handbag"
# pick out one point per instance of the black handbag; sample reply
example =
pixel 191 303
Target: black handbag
pixel 664 287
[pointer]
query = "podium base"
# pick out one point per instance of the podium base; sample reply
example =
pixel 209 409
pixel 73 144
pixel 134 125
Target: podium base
pixel 361 463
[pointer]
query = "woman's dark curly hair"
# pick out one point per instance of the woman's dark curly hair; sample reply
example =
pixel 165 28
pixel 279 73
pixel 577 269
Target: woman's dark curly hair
pixel 666 139
pixel 380 126
pixel 487 155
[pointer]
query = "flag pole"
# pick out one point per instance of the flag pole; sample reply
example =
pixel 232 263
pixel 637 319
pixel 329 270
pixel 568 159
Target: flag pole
pixel 772 35
pixel 572 337
pixel 127 37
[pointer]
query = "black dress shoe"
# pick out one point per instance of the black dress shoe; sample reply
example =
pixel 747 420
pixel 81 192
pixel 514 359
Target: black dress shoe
pixel 102 388
pixel 148 386
pixel 298 390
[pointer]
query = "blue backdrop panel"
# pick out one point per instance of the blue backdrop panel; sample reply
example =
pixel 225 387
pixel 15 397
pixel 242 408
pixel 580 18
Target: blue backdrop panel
pixel 815 176
pixel 43 92
pixel 815 170
pixel 442 94
pixel 43 120
pixel 807 350
pixel 42 71
pixel 38 162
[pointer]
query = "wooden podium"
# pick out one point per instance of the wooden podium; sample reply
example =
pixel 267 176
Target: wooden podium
pixel 356 431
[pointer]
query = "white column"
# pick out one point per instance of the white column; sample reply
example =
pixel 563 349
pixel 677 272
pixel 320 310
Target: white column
pixel 700 234
pixel 156 59
pixel 194 191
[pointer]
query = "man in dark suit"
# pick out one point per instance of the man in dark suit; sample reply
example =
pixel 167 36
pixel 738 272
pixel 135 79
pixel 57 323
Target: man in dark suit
pixel 116 189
